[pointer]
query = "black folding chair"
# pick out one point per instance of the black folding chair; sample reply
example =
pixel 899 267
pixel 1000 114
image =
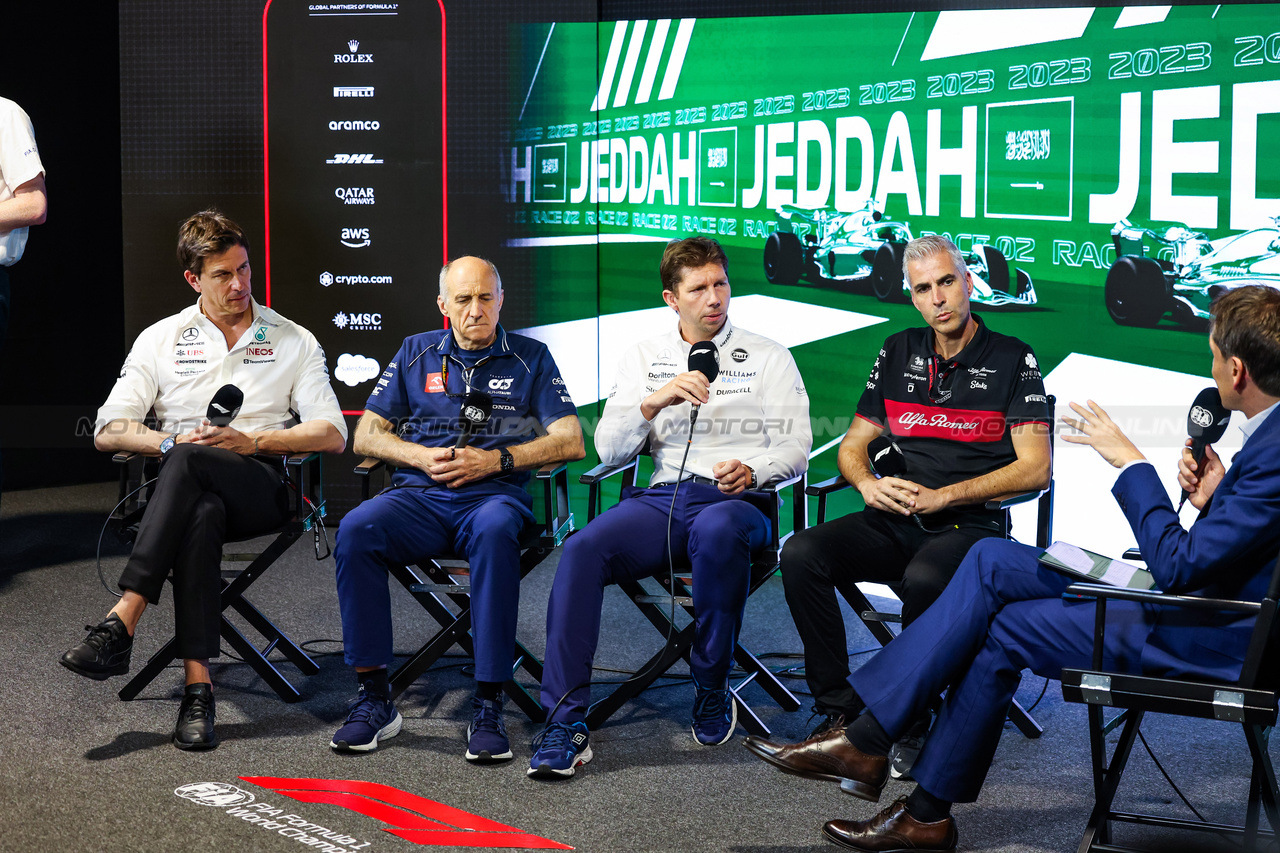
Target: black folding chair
pixel 877 622
pixel 1250 701
pixel 657 609
pixel 441 585
pixel 306 508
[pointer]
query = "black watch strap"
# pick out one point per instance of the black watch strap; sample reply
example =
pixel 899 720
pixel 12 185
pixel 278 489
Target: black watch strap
pixel 508 461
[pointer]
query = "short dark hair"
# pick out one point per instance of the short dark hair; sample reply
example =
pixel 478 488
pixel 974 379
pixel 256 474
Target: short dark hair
pixel 689 253
pixel 207 233
pixel 1246 325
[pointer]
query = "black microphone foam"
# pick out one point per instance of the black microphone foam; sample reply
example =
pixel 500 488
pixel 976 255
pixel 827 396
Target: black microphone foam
pixel 1206 422
pixel 705 357
pixel 1208 418
pixel 477 408
pixel 886 459
pixel 225 405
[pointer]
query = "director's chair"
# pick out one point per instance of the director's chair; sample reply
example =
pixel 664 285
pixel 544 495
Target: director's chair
pixel 441 585
pixel 307 508
pixel 1251 701
pixel 657 608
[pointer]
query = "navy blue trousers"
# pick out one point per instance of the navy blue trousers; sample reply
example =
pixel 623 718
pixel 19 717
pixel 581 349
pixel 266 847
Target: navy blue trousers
pixel 1001 613
pixel 713 533
pixel 480 522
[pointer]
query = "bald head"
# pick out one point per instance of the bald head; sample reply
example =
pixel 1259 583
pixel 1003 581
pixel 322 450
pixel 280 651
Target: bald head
pixel 468 266
pixel 471 297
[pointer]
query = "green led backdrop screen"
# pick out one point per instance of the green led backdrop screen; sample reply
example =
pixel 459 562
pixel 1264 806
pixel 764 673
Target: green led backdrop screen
pixel 1051 144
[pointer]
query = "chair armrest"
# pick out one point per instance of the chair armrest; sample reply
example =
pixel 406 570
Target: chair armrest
pixel 773 488
pixel 368 465
pixel 297 460
pixel 603 472
pixel 1132 554
pixel 548 471
pixel 1145 596
pixel 121 457
pixel 1006 501
pixel 826 487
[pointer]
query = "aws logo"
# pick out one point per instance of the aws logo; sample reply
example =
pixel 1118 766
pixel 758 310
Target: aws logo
pixel 356 238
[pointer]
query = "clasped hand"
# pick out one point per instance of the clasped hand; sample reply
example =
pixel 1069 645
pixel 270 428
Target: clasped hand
pixel 226 437
pixel 457 466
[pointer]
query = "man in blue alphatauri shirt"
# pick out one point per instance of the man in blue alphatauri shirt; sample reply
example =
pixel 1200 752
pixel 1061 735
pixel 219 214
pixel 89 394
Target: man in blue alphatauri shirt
pixel 468 500
pixel 966 408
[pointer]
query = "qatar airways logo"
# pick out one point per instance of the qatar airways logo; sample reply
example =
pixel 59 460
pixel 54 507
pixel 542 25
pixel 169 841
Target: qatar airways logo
pixel 938 421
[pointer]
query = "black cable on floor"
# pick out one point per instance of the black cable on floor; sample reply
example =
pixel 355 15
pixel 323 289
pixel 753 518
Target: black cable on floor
pixel 1178 790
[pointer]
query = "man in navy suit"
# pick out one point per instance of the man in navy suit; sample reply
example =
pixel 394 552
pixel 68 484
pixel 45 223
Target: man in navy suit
pixel 1003 612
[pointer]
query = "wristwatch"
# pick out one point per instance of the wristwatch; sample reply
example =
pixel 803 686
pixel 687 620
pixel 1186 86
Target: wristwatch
pixel 508 461
pixel 753 477
pixel 168 443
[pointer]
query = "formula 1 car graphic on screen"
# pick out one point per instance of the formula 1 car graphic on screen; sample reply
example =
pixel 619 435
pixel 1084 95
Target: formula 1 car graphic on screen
pixel 1174 270
pixel 829 244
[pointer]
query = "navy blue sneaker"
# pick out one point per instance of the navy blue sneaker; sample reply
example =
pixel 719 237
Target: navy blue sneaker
pixel 372 718
pixel 559 750
pixel 487 736
pixel 714 715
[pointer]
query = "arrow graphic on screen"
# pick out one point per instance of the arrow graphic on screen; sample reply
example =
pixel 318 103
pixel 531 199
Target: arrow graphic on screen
pixel 1036 186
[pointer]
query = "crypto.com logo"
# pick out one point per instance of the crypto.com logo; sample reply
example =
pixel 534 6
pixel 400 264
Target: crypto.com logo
pixel 412 818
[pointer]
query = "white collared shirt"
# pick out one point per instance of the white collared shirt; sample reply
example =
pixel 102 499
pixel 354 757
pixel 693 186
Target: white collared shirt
pixel 758 412
pixel 177 366
pixel 1248 427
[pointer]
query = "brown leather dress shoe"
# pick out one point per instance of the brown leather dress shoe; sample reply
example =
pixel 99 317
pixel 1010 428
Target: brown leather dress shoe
pixel 892 831
pixel 828 756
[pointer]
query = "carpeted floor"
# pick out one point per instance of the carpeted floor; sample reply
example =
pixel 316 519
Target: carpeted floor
pixel 83 771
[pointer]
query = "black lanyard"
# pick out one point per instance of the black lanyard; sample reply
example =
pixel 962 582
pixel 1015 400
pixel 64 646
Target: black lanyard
pixel 940 371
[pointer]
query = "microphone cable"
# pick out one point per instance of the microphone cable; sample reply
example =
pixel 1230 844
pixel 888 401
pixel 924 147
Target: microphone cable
pixel 671 580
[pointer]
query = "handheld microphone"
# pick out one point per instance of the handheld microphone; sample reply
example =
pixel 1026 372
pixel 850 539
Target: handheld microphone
pixel 886 459
pixel 225 405
pixel 1206 422
pixel 705 358
pixel 477 408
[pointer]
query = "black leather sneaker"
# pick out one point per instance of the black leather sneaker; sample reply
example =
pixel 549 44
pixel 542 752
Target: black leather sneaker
pixel 104 653
pixel 195 719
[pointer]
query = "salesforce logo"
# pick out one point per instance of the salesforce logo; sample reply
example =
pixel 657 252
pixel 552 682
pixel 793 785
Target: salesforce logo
pixel 353 369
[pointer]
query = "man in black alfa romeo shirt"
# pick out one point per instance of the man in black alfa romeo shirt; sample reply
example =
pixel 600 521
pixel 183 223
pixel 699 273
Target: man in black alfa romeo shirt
pixel 966 406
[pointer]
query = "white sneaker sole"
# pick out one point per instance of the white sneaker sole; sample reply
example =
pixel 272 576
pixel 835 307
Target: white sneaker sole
pixel 390 730
pixel 546 771
pixel 733 724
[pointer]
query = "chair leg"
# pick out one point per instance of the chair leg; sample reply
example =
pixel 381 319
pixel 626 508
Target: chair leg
pixel 265 669
pixel 1264 778
pixel 1106 777
pixel 1024 721
pixel 414 667
pixel 653 669
pixel 275 636
pixel 766 679
pixel 167 654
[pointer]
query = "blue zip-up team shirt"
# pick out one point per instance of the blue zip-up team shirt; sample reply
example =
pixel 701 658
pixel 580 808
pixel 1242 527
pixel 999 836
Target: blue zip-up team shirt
pixel 422 389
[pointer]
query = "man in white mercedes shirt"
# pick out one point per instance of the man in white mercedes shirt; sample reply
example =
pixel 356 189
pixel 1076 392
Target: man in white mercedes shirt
pixel 753 429
pixel 215 482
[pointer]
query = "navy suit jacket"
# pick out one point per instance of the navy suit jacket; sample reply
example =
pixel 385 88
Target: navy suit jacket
pixel 1230 552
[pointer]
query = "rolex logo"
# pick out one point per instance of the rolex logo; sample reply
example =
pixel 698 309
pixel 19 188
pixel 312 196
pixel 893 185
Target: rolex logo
pixel 354 45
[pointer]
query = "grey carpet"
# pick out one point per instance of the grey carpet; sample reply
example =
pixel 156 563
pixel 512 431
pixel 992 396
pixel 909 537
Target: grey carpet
pixel 82 771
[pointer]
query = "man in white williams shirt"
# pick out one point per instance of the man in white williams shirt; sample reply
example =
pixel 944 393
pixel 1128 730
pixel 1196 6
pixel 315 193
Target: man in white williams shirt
pixel 753 430
pixel 215 482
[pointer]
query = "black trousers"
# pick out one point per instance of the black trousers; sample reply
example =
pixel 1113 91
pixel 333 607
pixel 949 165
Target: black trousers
pixel 203 497
pixel 871 545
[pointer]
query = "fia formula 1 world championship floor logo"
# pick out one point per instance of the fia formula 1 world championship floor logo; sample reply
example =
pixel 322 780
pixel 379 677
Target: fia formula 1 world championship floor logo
pixel 411 817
